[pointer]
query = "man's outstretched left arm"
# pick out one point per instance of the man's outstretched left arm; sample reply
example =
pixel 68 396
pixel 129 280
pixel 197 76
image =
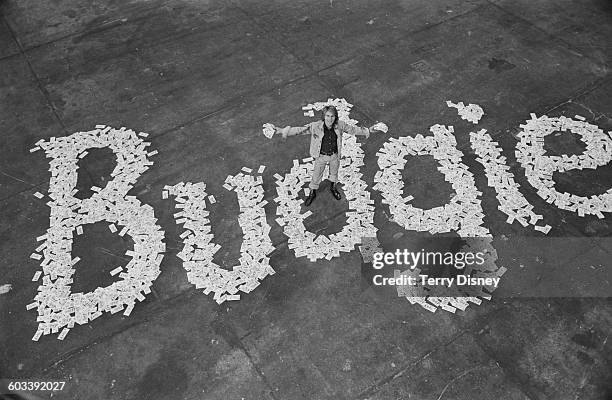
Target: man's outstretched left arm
pixel 353 129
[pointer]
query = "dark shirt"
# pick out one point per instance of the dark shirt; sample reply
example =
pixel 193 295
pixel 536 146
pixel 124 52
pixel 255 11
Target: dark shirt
pixel 329 143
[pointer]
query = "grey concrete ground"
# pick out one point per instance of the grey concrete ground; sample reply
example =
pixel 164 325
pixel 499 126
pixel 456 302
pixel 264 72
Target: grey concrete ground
pixel 201 77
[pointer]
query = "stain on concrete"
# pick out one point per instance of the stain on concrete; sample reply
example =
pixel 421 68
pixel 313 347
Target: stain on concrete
pixel 166 378
pixel 585 358
pixel 586 339
pixel 595 227
pixel 70 13
pixel 500 65
pixel 122 74
pixel 235 365
pixel 226 331
pixel 426 69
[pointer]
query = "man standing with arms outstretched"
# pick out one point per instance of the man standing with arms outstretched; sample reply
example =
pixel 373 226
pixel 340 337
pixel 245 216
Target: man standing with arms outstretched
pixel 325 147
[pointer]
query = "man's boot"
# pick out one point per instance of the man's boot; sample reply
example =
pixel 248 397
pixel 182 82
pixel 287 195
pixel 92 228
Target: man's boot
pixel 311 197
pixel 335 191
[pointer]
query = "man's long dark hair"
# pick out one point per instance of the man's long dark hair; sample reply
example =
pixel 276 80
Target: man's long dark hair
pixel 325 110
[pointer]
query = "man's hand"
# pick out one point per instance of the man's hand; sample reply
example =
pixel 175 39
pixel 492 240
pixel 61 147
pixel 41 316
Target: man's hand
pixel 283 132
pixel 276 130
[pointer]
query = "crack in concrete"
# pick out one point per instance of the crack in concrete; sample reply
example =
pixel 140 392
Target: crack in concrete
pixel 377 386
pixel 21 191
pixel 151 310
pixel 595 115
pixel 229 330
pixel 567 46
pixel 521 384
pixel 461 376
pixel 17 179
pixel 166 304
pixel 229 105
pixel 92 29
pixel 41 87
pixel 110 253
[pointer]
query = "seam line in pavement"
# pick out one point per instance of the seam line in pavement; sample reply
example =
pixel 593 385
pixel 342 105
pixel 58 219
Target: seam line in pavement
pixel 9 56
pixel 21 191
pixel 303 62
pixel 83 32
pixel 156 310
pixel 589 87
pixel 567 45
pixel 522 384
pixel 230 104
pixel 151 310
pixel 255 366
pixel 598 244
pixel 366 51
pixel 377 386
pixel 41 87
pixel 314 72
pixel 32 185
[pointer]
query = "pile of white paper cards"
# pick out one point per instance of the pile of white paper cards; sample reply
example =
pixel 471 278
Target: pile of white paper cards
pixel 199 250
pixel 471 112
pixel 57 307
pixel 539 167
pixel 380 126
pixel 268 130
pixel 360 216
pixel 463 213
pixel 511 200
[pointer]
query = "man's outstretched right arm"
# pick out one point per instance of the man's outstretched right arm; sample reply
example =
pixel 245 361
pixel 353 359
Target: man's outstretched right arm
pixel 292 131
